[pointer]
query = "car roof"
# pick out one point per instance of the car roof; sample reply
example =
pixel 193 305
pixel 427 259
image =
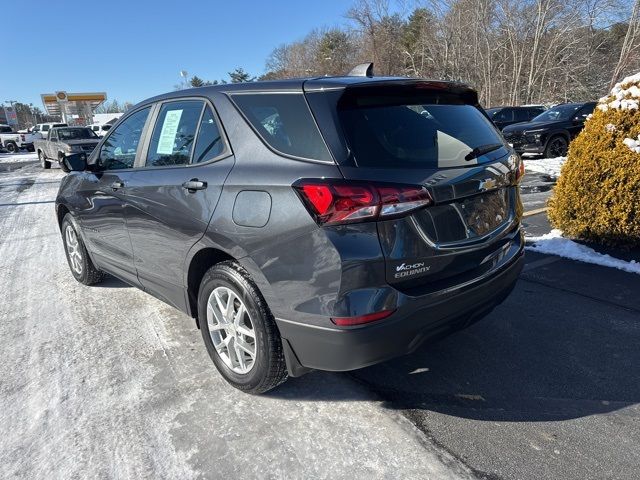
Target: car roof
pixel 292 84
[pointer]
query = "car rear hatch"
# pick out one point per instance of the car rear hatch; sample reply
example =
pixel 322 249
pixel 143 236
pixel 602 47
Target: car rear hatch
pixel 430 135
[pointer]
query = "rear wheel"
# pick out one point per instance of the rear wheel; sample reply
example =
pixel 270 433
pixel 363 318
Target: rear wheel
pixel 80 264
pixel 239 330
pixel 63 164
pixel 44 163
pixel 11 147
pixel 556 147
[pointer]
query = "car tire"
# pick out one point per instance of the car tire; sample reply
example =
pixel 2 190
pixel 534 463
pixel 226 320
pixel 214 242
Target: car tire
pixel 63 165
pixel 11 147
pixel 253 329
pixel 44 163
pixel 81 266
pixel 557 146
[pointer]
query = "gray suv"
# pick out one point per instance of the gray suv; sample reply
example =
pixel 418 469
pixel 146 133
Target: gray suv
pixel 326 223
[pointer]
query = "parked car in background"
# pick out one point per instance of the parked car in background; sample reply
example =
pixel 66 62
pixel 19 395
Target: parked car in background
pixel 504 116
pixel 63 141
pixel 100 129
pixel 42 129
pixel 13 141
pixel 550 132
pixel 327 223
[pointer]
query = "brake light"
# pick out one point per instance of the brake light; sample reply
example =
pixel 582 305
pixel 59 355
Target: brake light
pixel 333 202
pixel 359 320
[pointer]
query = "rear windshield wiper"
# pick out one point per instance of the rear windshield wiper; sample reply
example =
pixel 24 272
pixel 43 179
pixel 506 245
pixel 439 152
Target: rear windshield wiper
pixel 481 150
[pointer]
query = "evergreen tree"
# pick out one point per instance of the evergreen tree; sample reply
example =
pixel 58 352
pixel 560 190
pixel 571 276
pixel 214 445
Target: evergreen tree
pixel 240 76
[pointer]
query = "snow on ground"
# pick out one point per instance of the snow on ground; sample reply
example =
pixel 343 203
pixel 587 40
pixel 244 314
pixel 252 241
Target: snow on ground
pixel 18 157
pixel 108 382
pixel 549 166
pixel 553 243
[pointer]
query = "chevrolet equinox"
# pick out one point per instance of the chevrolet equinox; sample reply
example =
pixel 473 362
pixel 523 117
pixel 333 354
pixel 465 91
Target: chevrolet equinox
pixel 326 223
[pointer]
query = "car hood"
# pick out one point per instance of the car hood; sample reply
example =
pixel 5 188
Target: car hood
pixel 525 126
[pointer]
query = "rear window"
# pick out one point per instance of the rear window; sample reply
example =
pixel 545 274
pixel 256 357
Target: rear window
pixel 76 134
pixel 284 122
pixel 414 131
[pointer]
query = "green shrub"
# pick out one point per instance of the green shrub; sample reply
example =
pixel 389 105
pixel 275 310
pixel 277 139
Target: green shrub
pixel 597 197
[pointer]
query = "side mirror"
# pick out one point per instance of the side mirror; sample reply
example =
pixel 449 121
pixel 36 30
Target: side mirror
pixel 76 162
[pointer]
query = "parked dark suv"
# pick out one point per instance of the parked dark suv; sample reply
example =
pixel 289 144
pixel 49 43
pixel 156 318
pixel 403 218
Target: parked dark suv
pixel 550 132
pixel 326 223
pixel 505 116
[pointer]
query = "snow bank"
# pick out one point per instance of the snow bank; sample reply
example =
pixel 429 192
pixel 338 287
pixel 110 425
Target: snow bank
pixel 549 166
pixel 553 243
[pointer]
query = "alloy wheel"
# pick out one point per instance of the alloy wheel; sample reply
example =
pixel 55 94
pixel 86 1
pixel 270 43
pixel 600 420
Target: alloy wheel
pixel 558 147
pixel 73 249
pixel 231 330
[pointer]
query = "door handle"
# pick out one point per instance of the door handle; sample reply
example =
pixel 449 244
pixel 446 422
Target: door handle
pixel 194 184
pixel 117 184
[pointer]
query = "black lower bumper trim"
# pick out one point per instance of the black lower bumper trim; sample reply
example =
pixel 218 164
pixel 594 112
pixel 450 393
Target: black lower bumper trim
pixel 312 347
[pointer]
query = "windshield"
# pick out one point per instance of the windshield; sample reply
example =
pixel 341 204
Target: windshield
pixel 416 135
pixel 561 112
pixel 76 134
pixel 492 111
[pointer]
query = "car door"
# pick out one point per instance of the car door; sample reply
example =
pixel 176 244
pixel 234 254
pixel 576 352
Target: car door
pixel 104 190
pixel 172 195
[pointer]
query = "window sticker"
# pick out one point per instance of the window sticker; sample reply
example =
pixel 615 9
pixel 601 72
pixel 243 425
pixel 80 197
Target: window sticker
pixel 168 133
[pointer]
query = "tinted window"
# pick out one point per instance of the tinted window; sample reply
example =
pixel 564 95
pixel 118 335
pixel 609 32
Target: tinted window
pixel 119 150
pixel 5 129
pixel 504 115
pixel 522 115
pixel 285 123
pixel 105 127
pixel 411 134
pixel 586 111
pixel 53 135
pixel 76 134
pixel 45 128
pixel 210 143
pixel 174 133
pixel 561 112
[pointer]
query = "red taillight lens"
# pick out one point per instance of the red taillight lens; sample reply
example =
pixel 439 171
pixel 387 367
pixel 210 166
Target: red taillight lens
pixel 359 320
pixel 342 201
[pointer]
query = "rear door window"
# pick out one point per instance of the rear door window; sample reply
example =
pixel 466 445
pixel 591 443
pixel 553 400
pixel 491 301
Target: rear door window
pixel 284 122
pixel 210 143
pixel 522 115
pixel 174 134
pixel 413 132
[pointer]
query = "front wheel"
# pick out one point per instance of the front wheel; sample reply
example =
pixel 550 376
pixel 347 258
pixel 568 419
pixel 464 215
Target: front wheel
pixel 63 164
pixel 80 264
pixel 239 330
pixel 44 163
pixel 556 147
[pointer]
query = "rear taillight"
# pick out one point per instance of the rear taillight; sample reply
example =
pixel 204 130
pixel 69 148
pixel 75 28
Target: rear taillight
pixel 333 202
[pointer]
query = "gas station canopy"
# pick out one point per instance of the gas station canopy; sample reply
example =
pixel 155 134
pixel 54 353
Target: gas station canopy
pixel 72 105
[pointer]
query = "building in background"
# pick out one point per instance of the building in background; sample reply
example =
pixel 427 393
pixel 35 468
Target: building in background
pixel 73 108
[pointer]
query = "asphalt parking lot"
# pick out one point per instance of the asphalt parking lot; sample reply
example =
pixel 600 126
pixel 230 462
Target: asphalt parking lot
pixel 109 382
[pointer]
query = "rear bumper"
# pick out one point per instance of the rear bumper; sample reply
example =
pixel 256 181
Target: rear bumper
pixel 419 318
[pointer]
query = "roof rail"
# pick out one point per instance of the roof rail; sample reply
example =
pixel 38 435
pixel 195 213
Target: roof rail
pixel 362 70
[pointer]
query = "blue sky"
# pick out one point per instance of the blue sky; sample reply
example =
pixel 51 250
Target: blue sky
pixel 135 49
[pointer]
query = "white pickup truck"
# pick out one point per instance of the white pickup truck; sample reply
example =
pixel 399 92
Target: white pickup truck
pixel 13 141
